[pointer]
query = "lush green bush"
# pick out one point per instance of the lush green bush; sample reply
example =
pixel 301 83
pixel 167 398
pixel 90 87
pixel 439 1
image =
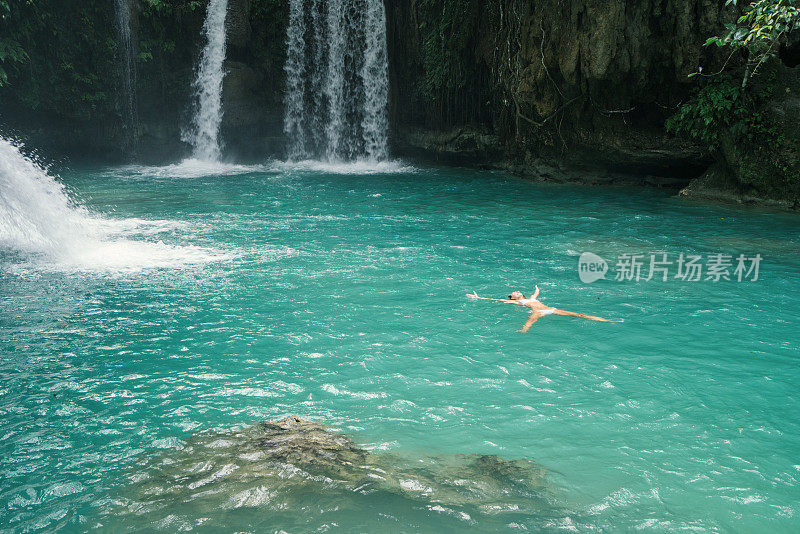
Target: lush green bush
pixel 713 109
pixel 444 30
pixel 721 107
pixel 10 50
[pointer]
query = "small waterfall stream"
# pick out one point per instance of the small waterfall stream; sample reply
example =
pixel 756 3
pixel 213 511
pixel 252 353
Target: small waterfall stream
pixel 295 80
pixel 203 134
pixel 127 98
pixel 336 80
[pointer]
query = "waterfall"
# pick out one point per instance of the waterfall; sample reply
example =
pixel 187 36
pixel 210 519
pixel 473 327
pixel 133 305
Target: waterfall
pixel 318 77
pixel 204 132
pixel 374 76
pixel 127 77
pixel 337 85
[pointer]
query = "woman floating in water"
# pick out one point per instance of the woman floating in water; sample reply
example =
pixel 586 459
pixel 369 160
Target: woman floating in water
pixel 539 309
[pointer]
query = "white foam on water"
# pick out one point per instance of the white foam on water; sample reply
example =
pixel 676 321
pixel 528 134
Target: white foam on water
pixel 130 256
pixel 136 226
pixel 40 220
pixel 361 166
pixel 191 168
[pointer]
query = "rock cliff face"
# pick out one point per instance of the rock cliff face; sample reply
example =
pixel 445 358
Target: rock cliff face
pixel 585 83
pixel 252 123
pixel 571 90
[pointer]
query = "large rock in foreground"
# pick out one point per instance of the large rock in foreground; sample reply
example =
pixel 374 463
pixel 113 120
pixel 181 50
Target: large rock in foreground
pixel 296 474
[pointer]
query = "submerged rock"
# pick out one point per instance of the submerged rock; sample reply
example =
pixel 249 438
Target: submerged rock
pixel 297 472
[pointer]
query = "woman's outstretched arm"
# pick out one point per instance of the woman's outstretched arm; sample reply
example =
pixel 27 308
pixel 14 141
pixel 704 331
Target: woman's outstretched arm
pixel 474 295
pixel 535 293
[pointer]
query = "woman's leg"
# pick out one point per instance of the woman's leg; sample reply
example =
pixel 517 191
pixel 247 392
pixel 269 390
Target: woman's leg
pixel 583 316
pixel 532 319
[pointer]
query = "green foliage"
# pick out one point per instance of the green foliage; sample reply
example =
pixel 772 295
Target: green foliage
pixel 733 118
pixel 452 84
pixel 758 30
pixel 171 6
pixel 10 50
pixel 761 24
pixel 57 56
pixel 722 108
pixel 714 108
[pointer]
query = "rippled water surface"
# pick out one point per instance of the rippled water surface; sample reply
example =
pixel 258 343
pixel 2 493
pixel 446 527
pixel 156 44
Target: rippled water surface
pixel 340 297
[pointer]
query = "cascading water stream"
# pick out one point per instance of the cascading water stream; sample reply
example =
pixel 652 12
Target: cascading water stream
pixel 204 132
pixel 127 97
pixel 335 77
pixel 337 81
pixel 374 76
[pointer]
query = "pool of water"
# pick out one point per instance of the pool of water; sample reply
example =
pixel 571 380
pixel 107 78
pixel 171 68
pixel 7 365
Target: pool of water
pixel 338 294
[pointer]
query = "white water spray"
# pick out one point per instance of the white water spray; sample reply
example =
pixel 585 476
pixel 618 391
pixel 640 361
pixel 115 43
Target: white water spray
pixel 36 215
pixel 204 133
pixel 318 79
pixel 335 78
pixel 41 221
pixel 336 108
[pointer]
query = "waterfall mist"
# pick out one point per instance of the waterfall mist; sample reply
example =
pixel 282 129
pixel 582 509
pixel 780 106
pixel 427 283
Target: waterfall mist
pixel 127 97
pixel 204 132
pixel 337 84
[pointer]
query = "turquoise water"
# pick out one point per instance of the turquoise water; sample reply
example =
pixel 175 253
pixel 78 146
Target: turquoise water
pixel 340 297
